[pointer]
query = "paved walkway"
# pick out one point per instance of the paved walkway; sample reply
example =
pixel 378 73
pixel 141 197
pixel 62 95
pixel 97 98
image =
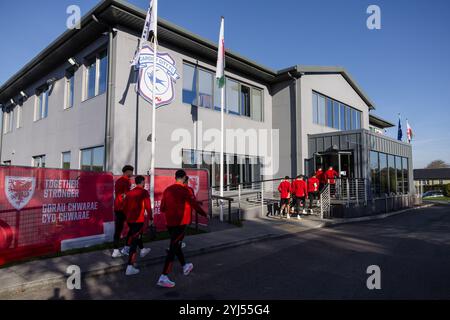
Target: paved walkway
pixel 46 271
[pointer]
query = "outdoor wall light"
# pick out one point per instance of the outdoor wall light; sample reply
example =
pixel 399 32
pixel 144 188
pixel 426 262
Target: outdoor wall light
pixel 24 95
pixel 73 62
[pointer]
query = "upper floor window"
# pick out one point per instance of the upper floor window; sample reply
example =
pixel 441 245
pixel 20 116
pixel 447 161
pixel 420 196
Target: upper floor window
pixel 38 161
pixel 96 75
pixel 200 89
pixel 70 84
pixel 331 113
pixel 41 105
pixel 8 118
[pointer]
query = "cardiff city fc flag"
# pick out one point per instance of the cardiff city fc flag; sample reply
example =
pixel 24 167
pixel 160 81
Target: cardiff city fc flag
pixel 149 27
pixel 400 132
pixel 409 132
pixel 220 69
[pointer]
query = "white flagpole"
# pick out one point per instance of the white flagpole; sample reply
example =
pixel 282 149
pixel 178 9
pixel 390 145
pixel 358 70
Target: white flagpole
pixel 152 164
pixel 222 108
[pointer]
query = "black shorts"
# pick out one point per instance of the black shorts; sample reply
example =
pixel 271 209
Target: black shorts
pixel 284 201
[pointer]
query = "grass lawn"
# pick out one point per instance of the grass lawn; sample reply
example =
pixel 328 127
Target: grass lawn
pixel 109 245
pixel 437 199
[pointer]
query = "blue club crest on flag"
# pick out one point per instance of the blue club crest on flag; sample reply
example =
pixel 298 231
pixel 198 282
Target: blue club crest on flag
pixel 166 76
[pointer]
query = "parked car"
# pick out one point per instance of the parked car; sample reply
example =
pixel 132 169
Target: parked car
pixel 433 194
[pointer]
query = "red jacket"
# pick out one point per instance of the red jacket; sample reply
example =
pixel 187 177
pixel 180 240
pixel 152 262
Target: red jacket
pixel 173 204
pixel 320 175
pixel 284 188
pixel 187 218
pixel 121 187
pixel 330 175
pixel 299 188
pixel 135 204
pixel 313 184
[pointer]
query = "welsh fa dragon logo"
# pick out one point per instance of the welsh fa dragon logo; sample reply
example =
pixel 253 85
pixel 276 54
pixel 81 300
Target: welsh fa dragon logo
pixel 19 190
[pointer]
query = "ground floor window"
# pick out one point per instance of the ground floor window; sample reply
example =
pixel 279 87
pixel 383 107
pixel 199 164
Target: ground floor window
pixel 388 173
pixel 237 168
pixel 92 159
pixel 65 160
pixel 38 161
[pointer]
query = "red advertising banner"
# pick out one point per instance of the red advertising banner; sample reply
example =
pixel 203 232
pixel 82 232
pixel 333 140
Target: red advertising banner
pixel 43 209
pixel 198 181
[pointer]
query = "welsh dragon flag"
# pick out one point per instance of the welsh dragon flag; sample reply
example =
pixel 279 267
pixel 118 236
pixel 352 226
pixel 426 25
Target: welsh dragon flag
pixel 220 69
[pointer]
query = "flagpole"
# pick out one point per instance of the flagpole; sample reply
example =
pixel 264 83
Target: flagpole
pixel 153 140
pixel 222 109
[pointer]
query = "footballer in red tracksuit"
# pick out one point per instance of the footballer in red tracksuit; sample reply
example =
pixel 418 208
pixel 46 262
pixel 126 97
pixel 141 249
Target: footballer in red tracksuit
pixel 320 175
pixel 121 188
pixel 284 188
pixel 176 203
pixel 313 190
pixel 331 175
pixel 299 190
pixel 136 203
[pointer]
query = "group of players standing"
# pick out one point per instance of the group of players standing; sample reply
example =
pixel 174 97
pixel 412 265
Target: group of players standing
pixel 132 205
pixel 293 195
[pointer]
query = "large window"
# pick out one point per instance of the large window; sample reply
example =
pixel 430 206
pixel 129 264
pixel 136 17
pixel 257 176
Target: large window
pixel 399 174
pixel 92 159
pixel 205 89
pixel 237 168
pixel 392 174
pixel 189 84
pixel 96 75
pixel 333 114
pixel 38 161
pixel 375 173
pixel 65 160
pixel 232 92
pixel 405 168
pixel 384 174
pixel 200 89
pixel 41 106
pixel 388 174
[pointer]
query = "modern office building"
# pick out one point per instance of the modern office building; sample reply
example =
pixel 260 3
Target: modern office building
pixel 75 106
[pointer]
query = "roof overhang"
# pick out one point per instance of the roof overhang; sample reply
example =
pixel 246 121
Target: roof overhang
pixel 379 122
pixel 300 70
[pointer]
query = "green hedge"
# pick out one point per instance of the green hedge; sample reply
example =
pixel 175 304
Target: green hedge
pixel 445 188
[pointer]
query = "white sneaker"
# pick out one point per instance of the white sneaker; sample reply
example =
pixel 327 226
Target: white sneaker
pixel 298 217
pixel 165 282
pixel 116 253
pixel 131 270
pixel 125 251
pixel 304 211
pixel 288 216
pixel 187 268
pixel 144 252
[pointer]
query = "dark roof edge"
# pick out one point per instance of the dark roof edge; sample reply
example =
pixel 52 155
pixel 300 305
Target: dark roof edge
pixel 380 122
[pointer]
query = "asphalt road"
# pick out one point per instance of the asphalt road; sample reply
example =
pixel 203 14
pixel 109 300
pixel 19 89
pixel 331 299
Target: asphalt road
pixel 411 249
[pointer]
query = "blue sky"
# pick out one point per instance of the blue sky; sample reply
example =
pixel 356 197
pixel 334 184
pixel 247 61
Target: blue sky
pixel 404 67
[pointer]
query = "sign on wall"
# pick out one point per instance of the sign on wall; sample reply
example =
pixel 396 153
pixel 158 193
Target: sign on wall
pixel 165 78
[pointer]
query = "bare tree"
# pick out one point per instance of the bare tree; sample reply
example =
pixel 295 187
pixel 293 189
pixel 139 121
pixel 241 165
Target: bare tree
pixel 436 164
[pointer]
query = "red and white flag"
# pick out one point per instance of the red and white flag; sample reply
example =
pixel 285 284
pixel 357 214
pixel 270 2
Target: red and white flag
pixel 409 132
